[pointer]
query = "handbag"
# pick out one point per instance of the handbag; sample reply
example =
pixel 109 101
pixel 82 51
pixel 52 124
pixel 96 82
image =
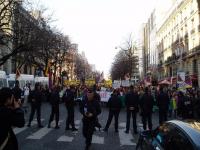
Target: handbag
pixel 5 142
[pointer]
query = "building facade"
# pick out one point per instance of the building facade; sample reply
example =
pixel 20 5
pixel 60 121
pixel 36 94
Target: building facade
pixel 178 41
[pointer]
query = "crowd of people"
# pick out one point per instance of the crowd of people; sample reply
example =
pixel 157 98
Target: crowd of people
pixel 170 103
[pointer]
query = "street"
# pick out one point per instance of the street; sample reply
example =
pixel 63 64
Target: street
pixel 34 138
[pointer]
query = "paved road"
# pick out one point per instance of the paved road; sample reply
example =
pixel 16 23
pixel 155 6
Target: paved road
pixel 34 138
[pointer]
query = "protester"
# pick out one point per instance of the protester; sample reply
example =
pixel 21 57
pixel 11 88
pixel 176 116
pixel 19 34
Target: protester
pixel 196 106
pixel 26 91
pixel 11 115
pixel 54 101
pixel 90 109
pixel 185 106
pixel 146 105
pixel 163 105
pixel 131 101
pixel 114 105
pixel 36 100
pixel 122 97
pixel 17 91
pixel 98 98
pixel 68 99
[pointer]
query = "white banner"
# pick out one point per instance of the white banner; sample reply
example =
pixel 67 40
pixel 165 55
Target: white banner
pixel 116 84
pixel 104 96
pixel 125 83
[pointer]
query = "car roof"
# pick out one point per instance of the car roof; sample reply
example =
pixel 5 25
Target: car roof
pixel 191 128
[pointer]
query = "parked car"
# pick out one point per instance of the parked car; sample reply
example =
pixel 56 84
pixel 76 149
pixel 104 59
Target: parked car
pixel 171 135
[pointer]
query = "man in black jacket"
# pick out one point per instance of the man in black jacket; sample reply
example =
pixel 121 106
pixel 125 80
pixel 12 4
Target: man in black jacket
pixel 17 91
pixel 36 100
pixel 131 102
pixel 68 98
pixel 146 105
pixel 10 115
pixel 114 105
pixel 90 109
pixel 54 100
pixel 163 105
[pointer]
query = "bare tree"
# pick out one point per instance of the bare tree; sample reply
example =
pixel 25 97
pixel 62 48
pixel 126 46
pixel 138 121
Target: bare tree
pixel 83 69
pixel 125 62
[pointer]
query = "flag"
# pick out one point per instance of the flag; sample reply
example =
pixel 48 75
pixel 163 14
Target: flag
pixel 127 76
pixel 47 69
pixel 179 79
pixel 50 80
pixel 17 73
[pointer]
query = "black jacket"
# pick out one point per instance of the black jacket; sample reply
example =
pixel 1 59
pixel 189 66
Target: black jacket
pixel 163 101
pixel 92 106
pixel 10 118
pixel 132 100
pixel 55 98
pixel 185 108
pixel 146 104
pixel 69 97
pixel 37 96
pixel 17 92
pixel 114 103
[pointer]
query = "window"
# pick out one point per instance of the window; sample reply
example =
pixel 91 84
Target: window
pixel 195 68
pixel 162 135
pixel 178 141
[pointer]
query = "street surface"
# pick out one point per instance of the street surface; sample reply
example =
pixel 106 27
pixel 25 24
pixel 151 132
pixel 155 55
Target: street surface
pixel 34 138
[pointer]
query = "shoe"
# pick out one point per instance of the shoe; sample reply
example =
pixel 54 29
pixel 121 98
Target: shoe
pixel 105 130
pixel 136 132
pixel 57 127
pixel 67 128
pixel 49 126
pixel 87 147
pixel 126 132
pixel 74 129
pixel 40 126
pixel 29 125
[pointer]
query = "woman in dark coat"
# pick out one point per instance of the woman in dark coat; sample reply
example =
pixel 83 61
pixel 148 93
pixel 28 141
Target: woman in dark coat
pixel 10 115
pixel 90 109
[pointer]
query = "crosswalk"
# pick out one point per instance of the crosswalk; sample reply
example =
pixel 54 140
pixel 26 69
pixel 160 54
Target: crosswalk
pixel 98 137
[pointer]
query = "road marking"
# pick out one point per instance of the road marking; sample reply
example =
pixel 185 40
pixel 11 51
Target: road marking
pixel 77 123
pixel 65 138
pixel 97 139
pixel 40 133
pixel 126 139
pixel 19 130
pixel 122 124
pixel 140 125
pixel 53 123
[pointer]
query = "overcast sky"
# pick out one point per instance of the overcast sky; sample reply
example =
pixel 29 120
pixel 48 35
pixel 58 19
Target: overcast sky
pixel 98 26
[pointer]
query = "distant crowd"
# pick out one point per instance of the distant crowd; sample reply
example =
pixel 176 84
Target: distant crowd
pixel 170 103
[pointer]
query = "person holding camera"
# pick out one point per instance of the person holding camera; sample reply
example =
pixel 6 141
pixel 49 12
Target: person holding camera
pixel 90 109
pixel 11 115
